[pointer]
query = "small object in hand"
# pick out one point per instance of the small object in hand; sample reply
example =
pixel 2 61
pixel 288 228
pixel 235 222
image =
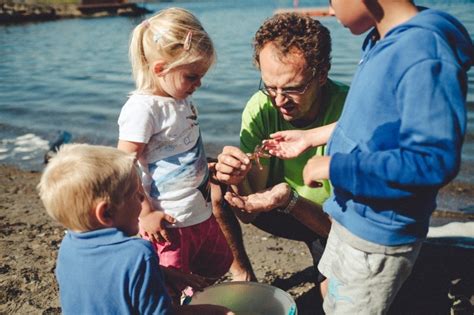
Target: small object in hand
pixel 258 153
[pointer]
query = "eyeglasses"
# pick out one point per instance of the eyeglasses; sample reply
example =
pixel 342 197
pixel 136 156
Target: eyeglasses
pixel 288 92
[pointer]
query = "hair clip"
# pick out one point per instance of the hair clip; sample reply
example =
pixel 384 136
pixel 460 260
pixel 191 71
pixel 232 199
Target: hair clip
pixel 156 37
pixel 187 41
pixel 146 23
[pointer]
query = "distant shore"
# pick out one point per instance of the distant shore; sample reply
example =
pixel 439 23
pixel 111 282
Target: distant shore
pixel 14 13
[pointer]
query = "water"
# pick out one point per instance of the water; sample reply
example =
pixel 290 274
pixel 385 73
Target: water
pixel 74 75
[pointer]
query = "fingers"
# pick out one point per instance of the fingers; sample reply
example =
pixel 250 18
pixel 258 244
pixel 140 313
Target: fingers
pixel 164 236
pixel 229 164
pixel 198 283
pixel 232 165
pixel 234 201
pixel 227 179
pixel 269 144
pixel 229 175
pixel 211 166
pixel 235 152
pixel 161 236
pixel 156 238
pixel 169 218
pixel 232 157
pixel 309 178
pixel 273 147
pixel 153 237
pixel 276 135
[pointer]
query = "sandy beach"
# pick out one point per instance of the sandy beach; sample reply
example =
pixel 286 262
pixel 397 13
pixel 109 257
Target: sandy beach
pixel 29 241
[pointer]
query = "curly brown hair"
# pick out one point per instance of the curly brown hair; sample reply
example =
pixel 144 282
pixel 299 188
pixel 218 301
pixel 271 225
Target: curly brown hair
pixel 291 30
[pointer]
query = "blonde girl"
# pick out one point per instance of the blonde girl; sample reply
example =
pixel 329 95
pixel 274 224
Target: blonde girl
pixel 170 53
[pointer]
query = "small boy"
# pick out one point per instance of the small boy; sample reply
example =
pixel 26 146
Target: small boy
pixel 396 144
pixel 94 191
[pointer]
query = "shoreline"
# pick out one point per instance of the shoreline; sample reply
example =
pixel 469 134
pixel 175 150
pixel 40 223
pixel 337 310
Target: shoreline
pixel 18 13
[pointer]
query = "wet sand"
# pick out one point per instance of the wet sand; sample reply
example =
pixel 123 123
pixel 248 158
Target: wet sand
pixel 29 241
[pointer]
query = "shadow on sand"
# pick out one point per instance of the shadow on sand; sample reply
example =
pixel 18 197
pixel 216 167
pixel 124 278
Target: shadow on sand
pixel 442 282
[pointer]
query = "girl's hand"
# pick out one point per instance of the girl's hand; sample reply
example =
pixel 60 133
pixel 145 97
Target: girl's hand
pixel 287 144
pixel 154 225
pixel 316 168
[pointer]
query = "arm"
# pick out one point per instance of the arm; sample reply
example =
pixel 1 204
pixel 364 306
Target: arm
pixel 316 168
pixel 250 197
pixel 151 296
pixel 247 204
pixel 291 143
pixel 312 215
pixel 241 267
pixel 234 168
pixel 177 280
pixel 433 120
pixel 278 196
pixel 153 222
pixel 253 186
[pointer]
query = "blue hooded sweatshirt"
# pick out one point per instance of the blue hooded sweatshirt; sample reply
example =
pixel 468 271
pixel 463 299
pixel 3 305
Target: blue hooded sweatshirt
pixel 400 135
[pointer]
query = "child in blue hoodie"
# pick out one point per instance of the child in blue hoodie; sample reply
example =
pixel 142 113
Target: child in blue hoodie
pixel 397 142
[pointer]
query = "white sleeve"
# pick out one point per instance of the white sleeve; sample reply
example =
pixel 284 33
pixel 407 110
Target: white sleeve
pixel 136 122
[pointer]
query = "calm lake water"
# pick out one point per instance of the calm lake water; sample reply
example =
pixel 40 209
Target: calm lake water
pixel 74 75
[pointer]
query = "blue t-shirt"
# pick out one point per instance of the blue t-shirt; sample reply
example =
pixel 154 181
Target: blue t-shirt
pixel 107 272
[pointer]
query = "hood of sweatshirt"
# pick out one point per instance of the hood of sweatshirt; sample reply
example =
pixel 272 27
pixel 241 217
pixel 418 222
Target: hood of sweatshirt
pixel 453 33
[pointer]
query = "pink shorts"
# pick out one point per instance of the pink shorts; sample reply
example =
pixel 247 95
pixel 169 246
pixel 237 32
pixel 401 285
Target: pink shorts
pixel 200 249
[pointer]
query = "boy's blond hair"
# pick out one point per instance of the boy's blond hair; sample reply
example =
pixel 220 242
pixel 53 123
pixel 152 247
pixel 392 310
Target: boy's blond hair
pixel 175 36
pixel 80 176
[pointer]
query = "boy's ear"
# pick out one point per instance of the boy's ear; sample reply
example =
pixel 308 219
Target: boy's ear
pixel 159 67
pixel 103 215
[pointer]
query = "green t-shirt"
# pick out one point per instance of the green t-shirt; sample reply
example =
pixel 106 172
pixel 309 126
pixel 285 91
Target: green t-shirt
pixel 260 119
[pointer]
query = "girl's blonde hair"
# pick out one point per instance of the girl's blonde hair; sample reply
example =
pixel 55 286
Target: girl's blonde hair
pixel 174 36
pixel 79 177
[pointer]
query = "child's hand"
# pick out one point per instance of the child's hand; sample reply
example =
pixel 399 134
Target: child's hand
pixel 286 144
pixel 154 225
pixel 178 280
pixel 316 168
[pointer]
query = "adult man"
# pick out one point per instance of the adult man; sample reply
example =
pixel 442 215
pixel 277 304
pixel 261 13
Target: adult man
pixel 293 54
